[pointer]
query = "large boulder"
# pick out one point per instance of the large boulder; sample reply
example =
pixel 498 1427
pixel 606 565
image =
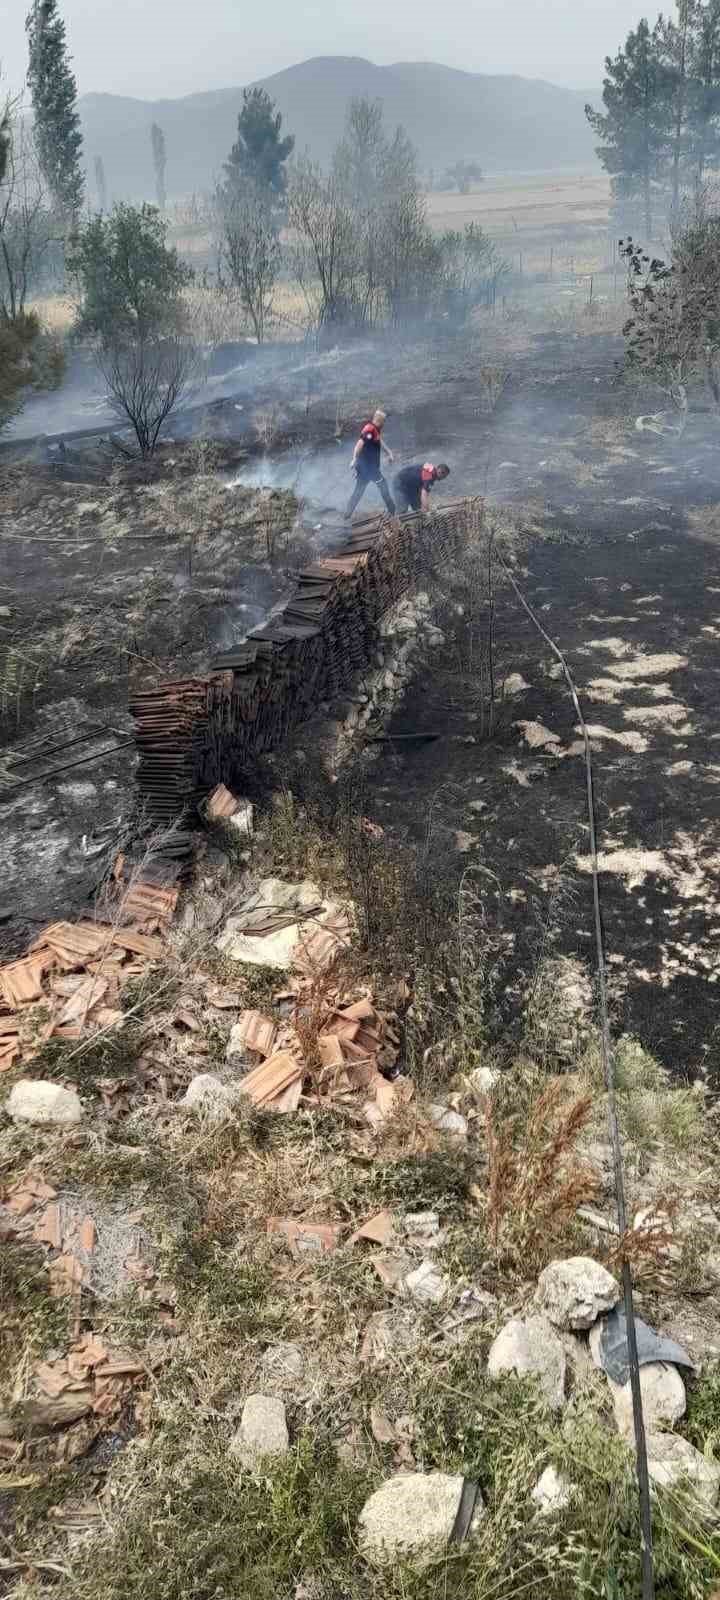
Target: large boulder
pixel 263 1431
pixel 34 1100
pixel 530 1348
pixel 574 1293
pixel 673 1462
pixel 411 1517
pixel 663 1395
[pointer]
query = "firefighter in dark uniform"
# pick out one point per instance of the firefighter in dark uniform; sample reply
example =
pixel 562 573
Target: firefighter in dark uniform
pixel 412 486
pixel 366 463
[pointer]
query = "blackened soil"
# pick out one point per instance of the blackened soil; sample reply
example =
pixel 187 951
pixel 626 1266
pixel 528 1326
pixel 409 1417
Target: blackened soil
pixel 623 569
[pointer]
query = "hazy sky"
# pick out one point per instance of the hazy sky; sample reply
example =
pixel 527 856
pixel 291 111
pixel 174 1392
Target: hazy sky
pixel 154 48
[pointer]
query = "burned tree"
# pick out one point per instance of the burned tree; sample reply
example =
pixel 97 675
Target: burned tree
pixel 146 379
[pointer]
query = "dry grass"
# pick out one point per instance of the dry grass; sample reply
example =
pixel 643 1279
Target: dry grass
pixel 536 1178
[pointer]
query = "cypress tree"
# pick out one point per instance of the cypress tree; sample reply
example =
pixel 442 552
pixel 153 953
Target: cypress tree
pixel 53 91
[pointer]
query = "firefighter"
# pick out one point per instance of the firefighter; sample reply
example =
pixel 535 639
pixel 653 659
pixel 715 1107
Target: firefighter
pixel 366 463
pixel 412 485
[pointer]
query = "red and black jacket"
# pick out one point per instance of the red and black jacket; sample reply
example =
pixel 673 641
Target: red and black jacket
pixel 412 480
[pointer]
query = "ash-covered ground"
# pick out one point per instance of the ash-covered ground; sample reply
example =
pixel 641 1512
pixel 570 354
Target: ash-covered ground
pixel 109 581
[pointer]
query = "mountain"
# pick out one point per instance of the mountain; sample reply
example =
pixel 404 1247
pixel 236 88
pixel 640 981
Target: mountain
pixel 506 123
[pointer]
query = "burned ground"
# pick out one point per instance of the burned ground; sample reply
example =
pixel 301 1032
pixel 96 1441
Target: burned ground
pixel 619 554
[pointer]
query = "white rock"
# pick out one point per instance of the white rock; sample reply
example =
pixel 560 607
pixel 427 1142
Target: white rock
pixel 263 1431
pixel 237 1053
pixel 242 820
pixel 411 1517
pixel 551 1493
pixel 422 1229
pixel 515 684
pixel 34 1100
pixel 530 1347
pixel 449 1122
pixel 672 1461
pixel 277 949
pixel 427 1285
pixel 574 1293
pixel 484 1079
pixel 664 1398
pixel 207 1095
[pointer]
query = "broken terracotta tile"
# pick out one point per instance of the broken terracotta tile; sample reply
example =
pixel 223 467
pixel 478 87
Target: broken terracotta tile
pixel 66 1275
pixel 287 1102
pixel 272 1077
pixel 221 804
pixel 305 1237
pixel 53 1377
pixel 257 1032
pixel 47 1230
pixel 87 1235
pixel 360 1011
pixel 140 944
pixel 379 1229
pixel 330 1051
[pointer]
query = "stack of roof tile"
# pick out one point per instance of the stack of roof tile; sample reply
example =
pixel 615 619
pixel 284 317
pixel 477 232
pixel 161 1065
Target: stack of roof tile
pixel 195 734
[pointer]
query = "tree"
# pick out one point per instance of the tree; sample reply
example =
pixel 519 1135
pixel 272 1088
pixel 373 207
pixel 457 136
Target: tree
pixel 635 129
pixel 703 97
pixel 27 228
pixel 128 280
pixel 146 379
pixel 157 138
pixel 53 91
pixel 463 175
pixel 324 252
pixel 259 154
pixel 472 268
pixel 249 252
pixel 29 359
pixel 673 331
pixel 100 183
pixel 130 286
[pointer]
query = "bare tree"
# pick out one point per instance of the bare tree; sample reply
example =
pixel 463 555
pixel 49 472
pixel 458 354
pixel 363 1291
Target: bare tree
pixel 326 246
pixel 249 251
pixel 27 228
pixel 147 378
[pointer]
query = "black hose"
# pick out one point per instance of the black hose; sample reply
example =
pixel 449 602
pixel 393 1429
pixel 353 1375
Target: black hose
pixel 648 1579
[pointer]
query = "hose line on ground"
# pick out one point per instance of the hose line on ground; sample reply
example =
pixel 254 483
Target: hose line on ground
pixel 648 1580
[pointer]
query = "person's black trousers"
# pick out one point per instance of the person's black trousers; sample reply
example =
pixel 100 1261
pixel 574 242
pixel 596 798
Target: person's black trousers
pixel 359 490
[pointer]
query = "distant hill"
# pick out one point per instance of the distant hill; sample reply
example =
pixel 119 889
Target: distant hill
pixel 506 123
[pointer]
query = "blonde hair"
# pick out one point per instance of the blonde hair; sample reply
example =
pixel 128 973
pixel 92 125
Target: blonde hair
pixel 378 418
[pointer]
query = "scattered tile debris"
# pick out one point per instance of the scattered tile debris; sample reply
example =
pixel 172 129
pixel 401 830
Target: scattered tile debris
pixel 70 981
